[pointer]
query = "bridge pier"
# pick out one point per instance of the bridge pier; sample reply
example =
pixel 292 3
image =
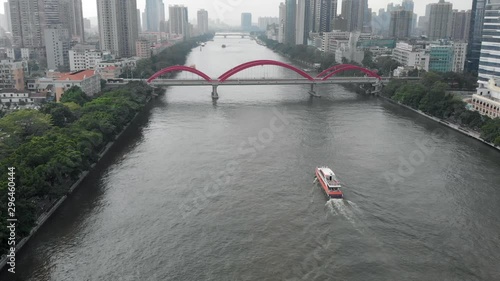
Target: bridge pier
pixel 215 94
pixel 312 92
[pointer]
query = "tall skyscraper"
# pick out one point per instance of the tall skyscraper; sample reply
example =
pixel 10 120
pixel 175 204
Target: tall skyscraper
pixel 400 25
pixel 355 13
pixel 71 18
pixel 290 21
pixel 489 63
pixel 282 23
pixel 440 20
pixel 179 23
pixel 118 27
pixel 246 21
pixel 302 22
pixel 28 21
pixel 153 14
pixel 6 9
pixel 475 35
pixel 203 21
pixel 460 26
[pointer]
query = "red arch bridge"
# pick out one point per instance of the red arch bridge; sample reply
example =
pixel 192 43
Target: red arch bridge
pixel 326 77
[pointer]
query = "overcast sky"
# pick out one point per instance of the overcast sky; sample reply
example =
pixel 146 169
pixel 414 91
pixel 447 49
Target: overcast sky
pixel 230 10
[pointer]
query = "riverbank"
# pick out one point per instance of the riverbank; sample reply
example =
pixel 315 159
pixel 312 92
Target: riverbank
pixel 455 127
pixel 48 213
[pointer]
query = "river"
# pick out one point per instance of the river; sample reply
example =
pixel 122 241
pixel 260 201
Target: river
pixel 224 191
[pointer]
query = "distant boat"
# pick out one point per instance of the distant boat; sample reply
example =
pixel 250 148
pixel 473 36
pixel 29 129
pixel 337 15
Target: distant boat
pixel 223 46
pixel 203 44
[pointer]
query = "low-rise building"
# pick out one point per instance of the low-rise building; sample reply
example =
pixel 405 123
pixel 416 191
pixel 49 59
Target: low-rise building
pixel 411 55
pixel 81 59
pixel 487 99
pixel 11 75
pixel 88 80
pixel 14 96
pixel 143 49
pixel 110 72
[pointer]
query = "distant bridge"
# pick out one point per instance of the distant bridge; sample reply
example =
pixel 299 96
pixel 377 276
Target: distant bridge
pixel 232 34
pixel 325 77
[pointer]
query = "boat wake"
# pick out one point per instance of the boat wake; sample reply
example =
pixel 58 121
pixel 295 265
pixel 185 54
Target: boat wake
pixel 347 210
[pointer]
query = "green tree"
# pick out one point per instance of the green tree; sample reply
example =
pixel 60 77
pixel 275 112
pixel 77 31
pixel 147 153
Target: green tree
pixel 61 114
pixel 76 95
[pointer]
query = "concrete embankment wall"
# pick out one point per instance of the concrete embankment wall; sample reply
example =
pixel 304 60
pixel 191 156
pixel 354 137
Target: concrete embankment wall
pixel 457 128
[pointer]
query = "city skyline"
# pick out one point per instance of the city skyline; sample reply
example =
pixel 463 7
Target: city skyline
pixel 231 13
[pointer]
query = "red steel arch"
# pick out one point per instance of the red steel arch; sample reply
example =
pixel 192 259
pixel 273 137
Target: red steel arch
pixel 353 67
pixel 251 64
pixel 179 68
pixel 333 68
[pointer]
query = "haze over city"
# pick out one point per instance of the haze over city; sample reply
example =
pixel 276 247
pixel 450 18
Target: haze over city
pixel 259 8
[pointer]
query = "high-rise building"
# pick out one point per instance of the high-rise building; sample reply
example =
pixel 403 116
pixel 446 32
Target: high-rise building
pixel 28 21
pixel 460 26
pixel 282 22
pixel 400 25
pixel 246 21
pixel 203 21
pixel 355 13
pixel 153 14
pixel 118 27
pixel 489 62
pixel 87 24
pixel 475 35
pixel 179 23
pixel 71 17
pixel 440 19
pixel 302 22
pixel 408 5
pixel 57 43
pixel 6 9
pixel 322 13
pixel 139 22
pixel 263 22
pixel 290 21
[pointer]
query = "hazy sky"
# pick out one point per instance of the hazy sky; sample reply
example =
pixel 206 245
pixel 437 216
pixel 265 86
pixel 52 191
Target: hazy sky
pixel 230 10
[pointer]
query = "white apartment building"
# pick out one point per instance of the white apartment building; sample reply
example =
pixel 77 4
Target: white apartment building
pixel 488 103
pixel 333 40
pixel 84 59
pixel 410 55
pixel 57 43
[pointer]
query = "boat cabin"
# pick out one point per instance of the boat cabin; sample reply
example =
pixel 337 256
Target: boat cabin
pixel 330 178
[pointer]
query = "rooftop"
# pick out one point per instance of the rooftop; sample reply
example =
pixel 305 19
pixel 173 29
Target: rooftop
pixel 77 76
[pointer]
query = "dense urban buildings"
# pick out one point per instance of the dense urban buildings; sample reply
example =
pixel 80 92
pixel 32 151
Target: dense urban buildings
pixel 118 27
pixel 246 21
pixel 263 22
pixel 28 21
pixel 322 13
pixel 202 21
pixel 178 18
pixel 11 75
